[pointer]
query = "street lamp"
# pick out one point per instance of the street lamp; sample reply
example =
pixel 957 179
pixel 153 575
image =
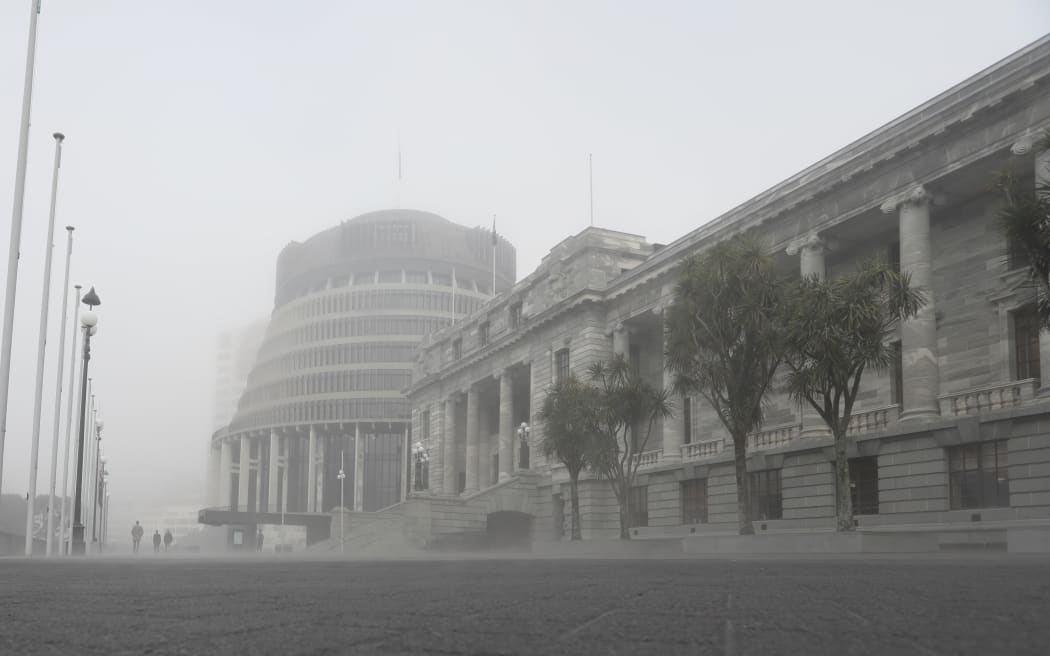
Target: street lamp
pixel 523 451
pixel 89 322
pixel 342 508
pixel 100 464
pixel 422 459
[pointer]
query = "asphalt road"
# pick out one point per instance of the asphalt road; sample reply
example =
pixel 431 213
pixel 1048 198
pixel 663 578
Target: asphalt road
pixel 991 605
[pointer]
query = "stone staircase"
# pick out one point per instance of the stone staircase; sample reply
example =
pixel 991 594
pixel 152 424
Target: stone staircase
pixel 379 533
pixel 460 522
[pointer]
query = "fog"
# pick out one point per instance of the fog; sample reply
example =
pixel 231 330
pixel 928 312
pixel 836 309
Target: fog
pixel 202 137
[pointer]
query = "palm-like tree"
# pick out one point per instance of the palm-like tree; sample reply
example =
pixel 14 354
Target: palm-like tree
pixel 626 410
pixel 724 341
pixel 835 330
pixel 569 416
pixel 1025 222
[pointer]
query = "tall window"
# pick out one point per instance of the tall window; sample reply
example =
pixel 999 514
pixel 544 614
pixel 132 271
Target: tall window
pixel 897 374
pixel 638 506
pixel 514 316
pixel 694 501
pixel 424 425
pixel 864 485
pixel 1026 343
pixel 457 349
pixel 561 365
pixel 1016 255
pixel 977 475
pixel 766 500
pixel 893 256
pixel 634 358
pixel 483 334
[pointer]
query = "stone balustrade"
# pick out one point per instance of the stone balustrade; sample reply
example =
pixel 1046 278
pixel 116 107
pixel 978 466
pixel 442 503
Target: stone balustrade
pixel 701 450
pixel 648 458
pixel 774 437
pixel 876 419
pixel 986 399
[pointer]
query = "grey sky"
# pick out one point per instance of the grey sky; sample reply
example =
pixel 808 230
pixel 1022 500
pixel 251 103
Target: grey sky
pixel 202 136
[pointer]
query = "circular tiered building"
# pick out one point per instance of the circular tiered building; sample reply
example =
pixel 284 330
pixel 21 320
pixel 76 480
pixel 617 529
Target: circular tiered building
pixel 351 305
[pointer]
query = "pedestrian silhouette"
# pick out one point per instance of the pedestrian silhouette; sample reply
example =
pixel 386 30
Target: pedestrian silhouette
pixel 156 541
pixel 168 538
pixel 136 536
pixel 259 541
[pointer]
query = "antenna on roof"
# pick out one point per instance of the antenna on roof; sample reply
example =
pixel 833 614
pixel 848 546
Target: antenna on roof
pixel 397 199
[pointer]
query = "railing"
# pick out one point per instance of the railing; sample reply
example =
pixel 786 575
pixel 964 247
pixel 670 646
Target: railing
pixel 700 450
pixel 648 458
pixel 986 399
pixel 873 420
pixel 773 437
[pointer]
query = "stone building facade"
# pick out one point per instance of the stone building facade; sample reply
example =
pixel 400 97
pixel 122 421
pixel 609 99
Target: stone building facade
pixel 956 434
pixel 325 393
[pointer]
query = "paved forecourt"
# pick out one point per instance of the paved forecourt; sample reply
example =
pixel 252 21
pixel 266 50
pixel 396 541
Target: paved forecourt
pixel 844 605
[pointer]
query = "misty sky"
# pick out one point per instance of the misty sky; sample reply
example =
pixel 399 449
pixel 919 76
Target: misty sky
pixel 203 136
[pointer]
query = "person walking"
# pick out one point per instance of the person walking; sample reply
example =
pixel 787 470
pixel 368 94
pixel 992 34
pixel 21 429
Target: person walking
pixel 259 541
pixel 136 536
pixel 156 541
pixel 168 539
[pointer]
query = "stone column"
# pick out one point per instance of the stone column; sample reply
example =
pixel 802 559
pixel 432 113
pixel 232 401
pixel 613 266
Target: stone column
pixel 244 469
pixel 257 465
pixel 214 475
pixel 919 334
pixel 311 471
pixel 406 462
pixel 506 424
pixel 359 470
pixel 225 472
pixel 449 447
pixel 434 441
pixel 621 340
pixel 673 426
pixel 484 448
pixel 473 437
pixel 275 452
pixel 812 264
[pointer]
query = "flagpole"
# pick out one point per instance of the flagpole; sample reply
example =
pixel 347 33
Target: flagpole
pixel 58 395
pixel 16 233
pixel 590 182
pixel 65 531
pixel 453 294
pixel 38 394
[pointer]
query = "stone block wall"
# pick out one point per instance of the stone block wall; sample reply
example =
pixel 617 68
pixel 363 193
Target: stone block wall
pixel 913 476
pixel 807 481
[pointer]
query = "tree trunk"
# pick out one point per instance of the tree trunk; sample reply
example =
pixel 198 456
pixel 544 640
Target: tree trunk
pixel 843 500
pixel 625 522
pixel 574 484
pixel 743 487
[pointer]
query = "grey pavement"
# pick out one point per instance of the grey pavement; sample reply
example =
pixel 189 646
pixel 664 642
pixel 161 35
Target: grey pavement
pixel 254 605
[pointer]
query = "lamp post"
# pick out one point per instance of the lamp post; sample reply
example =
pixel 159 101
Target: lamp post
pixel 100 465
pixel 89 321
pixel 102 507
pixel 342 508
pixel 523 451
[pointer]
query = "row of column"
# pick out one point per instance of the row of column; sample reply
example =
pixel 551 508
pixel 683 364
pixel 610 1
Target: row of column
pixel 478 450
pixel 223 467
pixel 672 429
pixel 920 369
